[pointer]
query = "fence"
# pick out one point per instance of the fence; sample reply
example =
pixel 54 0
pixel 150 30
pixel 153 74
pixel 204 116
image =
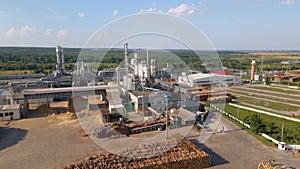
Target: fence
pixel 230 115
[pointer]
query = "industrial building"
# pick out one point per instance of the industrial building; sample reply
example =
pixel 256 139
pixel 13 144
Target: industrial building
pixel 10 112
pixel 204 79
pixel 156 100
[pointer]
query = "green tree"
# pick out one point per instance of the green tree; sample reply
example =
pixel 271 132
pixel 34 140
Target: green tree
pixel 272 128
pixel 256 123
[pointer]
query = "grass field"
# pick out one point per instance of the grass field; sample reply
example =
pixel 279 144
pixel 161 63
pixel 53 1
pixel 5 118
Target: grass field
pixel 264 97
pixel 292 128
pixel 10 72
pixel 268 104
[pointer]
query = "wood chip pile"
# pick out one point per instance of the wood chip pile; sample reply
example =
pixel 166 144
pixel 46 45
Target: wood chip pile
pixel 184 155
pixel 272 164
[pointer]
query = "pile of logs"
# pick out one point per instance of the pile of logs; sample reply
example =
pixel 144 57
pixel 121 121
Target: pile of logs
pixel 120 128
pixel 272 164
pixel 183 155
pixel 147 123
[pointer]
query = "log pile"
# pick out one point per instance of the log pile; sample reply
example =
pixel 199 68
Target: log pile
pixel 272 164
pixel 147 123
pixel 184 155
pixel 119 128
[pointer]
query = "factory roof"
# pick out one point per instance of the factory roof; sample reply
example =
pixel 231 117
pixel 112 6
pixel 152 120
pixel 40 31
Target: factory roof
pixel 222 72
pixel 66 89
pixel 205 75
pixel 10 107
pixel 279 74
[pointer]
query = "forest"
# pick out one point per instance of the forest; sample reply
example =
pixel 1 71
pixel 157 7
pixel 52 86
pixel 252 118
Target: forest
pixel 43 60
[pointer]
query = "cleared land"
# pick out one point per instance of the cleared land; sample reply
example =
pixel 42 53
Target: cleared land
pixel 43 142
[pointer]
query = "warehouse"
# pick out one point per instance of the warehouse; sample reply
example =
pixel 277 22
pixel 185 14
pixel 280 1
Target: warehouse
pixel 204 79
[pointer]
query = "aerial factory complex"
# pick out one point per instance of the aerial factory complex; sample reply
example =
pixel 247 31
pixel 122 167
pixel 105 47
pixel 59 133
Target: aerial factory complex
pixel 141 114
pixel 137 97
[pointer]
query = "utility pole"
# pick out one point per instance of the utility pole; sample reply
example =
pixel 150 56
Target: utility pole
pixel 238 109
pixel 167 96
pixel 282 132
pixel 143 101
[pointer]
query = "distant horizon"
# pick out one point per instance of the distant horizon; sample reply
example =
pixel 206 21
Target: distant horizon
pixel 133 48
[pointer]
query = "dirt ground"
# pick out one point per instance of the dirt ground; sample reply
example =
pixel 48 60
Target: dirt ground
pixel 43 142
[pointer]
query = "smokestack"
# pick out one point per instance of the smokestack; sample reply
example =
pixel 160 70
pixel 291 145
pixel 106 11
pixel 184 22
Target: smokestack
pixel 136 68
pixel 126 56
pixel 60 60
pixel 252 70
pixel 147 58
pixel 152 67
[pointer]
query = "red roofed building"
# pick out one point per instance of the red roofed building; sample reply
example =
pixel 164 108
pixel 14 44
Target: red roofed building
pixel 279 74
pixel 222 72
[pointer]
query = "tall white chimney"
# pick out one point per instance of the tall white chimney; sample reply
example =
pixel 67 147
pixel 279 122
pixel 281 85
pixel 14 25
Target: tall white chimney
pixel 126 56
pixel 147 58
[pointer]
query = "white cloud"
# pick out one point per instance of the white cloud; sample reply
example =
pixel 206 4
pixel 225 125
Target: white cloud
pixel 22 32
pixel 48 32
pixel 4 13
pixel 81 14
pixel 115 13
pixel 287 2
pixel 152 9
pixel 182 10
pixel 61 34
pixel 11 32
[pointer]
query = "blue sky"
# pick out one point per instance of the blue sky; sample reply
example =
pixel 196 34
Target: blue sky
pixel 229 24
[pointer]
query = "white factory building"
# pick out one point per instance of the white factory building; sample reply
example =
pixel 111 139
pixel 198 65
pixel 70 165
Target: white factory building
pixel 156 100
pixel 10 112
pixel 205 79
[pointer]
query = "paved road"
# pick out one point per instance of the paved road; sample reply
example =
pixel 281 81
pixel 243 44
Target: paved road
pixel 235 148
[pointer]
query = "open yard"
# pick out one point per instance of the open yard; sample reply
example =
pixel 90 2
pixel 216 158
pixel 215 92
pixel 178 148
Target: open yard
pixel 43 142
